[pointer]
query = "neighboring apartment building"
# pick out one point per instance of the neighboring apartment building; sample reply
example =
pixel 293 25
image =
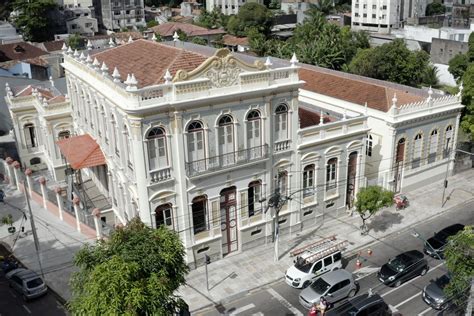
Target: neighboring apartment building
pixel 382 16
pixel 228 7
pixel 443 50
pixel 80 21
pixel 115 15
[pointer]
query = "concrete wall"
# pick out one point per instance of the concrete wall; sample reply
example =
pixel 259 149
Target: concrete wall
pixel 443 50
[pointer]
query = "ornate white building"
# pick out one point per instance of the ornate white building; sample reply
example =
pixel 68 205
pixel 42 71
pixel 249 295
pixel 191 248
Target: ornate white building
pixel 195 139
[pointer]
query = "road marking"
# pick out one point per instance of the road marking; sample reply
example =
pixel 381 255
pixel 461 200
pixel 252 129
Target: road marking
pixel 26 308
pixel 256 314
pixel 407 300
pixel 425 311
pixel 242 309
pixel 408 282
pixel 284 302
pixel 366 271
pixel 13 294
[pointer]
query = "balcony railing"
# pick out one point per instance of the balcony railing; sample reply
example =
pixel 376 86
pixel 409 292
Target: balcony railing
pixel 225 161
pixel 282 145
pixel 160 175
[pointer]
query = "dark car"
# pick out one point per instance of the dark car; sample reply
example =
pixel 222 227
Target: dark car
pixel 434 246
pixel 433 293
pixel 403 267
pixel 362 305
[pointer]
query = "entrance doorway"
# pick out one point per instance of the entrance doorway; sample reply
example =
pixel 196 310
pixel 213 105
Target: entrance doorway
pixel 399 165
pixel 229 220
pixel 351 179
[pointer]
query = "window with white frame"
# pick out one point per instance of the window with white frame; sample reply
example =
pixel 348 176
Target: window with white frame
pixel 30 135
pixel 448 139
pixel 157 153
pixel 308 180
pixel 164 215
pixel 115 132
pixel 331 174
pixel 282 182
pixel 196 147
pixel 225 132
pixel 254 138
pixel 281 122
pixel 199 210
pixel 433 146
pixel 417 148
pixel 128 143
pixel 254 196
pixel 368 148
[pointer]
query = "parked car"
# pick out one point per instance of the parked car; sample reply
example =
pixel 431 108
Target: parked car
pixel 403 267
pixel 362 305
pixel 27 283
pixel 302 273
pixel 433 293
pixel 435 246
pixel 334 286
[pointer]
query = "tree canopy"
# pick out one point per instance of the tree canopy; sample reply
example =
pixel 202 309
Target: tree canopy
pixel 34 19
pixel 459 255
pixel 370 200
pixel 75 41
pixel 393 62
pixel 135 272
pixel 212 19
pixel 435 8
pixel 251 15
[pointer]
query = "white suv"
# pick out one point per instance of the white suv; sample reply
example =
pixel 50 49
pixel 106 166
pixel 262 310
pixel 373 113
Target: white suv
pixel 303 273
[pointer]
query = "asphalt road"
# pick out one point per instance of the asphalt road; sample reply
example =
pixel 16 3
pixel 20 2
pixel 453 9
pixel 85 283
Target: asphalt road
pixel 12 304
pixel 280 299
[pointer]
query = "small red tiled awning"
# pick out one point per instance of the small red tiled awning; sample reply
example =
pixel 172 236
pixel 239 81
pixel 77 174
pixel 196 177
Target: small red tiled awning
pixel 81 151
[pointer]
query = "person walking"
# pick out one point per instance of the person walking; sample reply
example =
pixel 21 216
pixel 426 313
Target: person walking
pixel 314 310
pixel 323 305
pixel 2 196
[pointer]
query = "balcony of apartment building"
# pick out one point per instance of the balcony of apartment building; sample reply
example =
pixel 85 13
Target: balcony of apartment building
pixel 226 161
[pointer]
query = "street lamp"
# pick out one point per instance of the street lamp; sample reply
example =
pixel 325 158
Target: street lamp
pixel 417 235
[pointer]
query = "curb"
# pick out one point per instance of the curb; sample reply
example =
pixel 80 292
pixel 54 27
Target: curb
pixel 349 254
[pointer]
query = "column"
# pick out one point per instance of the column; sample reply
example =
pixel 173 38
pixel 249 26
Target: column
pixel 16 167
pixel 8 165
pixel 59 199
pixel 75 202
pixel 28 173
pixel 42 181
pixel 97 223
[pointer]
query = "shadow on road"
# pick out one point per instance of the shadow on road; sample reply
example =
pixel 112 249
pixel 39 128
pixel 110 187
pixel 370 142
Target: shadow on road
pixel 384 221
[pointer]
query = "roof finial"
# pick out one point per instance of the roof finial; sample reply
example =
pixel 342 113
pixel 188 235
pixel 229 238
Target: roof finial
pixel 64 48
pixel 167 76
pixel 76 53
pixel 111 42
pixel 116 75
pixel 321 119
pixel 105 69
pixel 154 38
pixel 366 110
pixel 89 59
pixel 89 45
pixel 82 57
pixel 51 81
pixel 294 60
pixel 96 63
pixel 394 100
pixel 175 36
pixel 69 51
pixel 430 93
pixel 268 62
pixel 393 108
pixel 461 88
pixel 130 39
pixel 131 83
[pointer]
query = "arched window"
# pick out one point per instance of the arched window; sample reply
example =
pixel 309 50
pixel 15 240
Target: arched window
pixel 64 134
pixel 164 215
pixel 417 148
pixel 448 136
pixel 281 122
pixel 157 154
pixel 400 150
pixel 226 140
pixel 433 146
pixel 331 174
pixel 254 138
pixel 199 209
pixel 254 196
pixel 368 148
pixel 30 135
pixel 308 180
pixel 196 154
pixel 128 144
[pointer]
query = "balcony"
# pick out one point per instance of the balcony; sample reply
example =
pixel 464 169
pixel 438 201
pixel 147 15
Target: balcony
pixel 282 145
pixel 160 175
pixel 226 161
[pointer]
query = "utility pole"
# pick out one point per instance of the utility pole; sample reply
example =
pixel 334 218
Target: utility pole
pixel 33 227
pixel 445 183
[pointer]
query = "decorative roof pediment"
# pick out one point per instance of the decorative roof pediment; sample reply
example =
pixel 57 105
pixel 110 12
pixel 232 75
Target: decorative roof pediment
pixel 222 69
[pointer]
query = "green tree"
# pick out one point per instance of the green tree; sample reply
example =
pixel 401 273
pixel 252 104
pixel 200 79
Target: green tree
pixel 211 19
pixel 392 62
pixel 459 255
pixel 182 35
pixel 251 15
pixel 430 77
pixel 370 200
pixel 458 65
pixel 470 52
pixel 135 272
pixel 199 41
pixel 151 24
pixel 75 41
pixel 324 6
pixel 467 120
pixel 435 8
pixel 34 19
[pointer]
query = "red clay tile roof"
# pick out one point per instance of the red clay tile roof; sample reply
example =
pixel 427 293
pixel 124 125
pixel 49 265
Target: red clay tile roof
pixel 148 61
pixel 310 118
pixel 378 97
pixel 38 61
pixel 19 51
pixel 53 46
pixel 57 99
pixel 81 151
pixel 168 29
pixel 234 40
pixel 28 90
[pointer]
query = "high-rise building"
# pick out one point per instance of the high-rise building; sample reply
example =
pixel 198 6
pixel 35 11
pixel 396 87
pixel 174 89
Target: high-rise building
pixel 115 15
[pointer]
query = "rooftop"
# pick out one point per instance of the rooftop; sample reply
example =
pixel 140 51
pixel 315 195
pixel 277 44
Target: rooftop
pixel 19 51
pixel 168 29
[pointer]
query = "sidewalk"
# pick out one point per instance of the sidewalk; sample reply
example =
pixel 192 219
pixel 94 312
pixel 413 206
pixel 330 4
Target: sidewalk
pixel 235 275
pixel 58 241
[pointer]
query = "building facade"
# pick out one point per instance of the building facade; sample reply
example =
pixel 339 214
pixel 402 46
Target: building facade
pixel 115 15
pixel 227 7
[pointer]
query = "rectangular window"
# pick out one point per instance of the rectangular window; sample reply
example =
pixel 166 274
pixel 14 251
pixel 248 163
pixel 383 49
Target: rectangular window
pixel 374 16
pixel 357 6
pixel 308 181
pixel 356 15
pixel 331 174
pixel 199 214
pixel 254 196
pixel 365 15
pixel 384 7
pixel 374 7
pixel 365 6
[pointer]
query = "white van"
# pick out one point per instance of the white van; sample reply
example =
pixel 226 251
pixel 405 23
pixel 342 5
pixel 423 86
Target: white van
pixel 304 272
